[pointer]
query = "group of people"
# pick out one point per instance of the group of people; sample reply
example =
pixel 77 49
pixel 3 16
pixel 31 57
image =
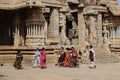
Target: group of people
pixel 40 57
pixel 68 58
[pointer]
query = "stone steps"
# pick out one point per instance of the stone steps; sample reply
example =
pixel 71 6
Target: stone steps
pixel 105 60
pixel 115 49
pixel 118 53
pixel 102 56
pixel 107 55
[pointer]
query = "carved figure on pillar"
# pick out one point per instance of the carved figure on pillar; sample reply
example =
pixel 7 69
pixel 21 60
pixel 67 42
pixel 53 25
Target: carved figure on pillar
pixel 22 41
pixel 105 31
pixel 72 30
pixel 16 39
pixel 87 24
pixel 62 28
pixel 91 28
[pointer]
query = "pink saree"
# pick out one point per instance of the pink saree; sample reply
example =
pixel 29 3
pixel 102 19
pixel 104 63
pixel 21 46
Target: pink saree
pixel 43 59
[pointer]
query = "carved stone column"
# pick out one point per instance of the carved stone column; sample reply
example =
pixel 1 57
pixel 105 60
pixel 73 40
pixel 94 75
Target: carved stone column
pixel 99 29
pixel 35 24
pixel 105 34
pixel 17 27
pixel 81 28
pixel 105 31
pixel 53 33
pixel 62 28
pixel 92 29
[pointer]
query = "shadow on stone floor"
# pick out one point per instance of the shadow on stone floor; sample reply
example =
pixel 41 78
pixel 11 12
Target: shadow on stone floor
pixel 1 75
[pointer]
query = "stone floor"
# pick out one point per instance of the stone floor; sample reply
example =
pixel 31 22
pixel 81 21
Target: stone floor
pixel 108 71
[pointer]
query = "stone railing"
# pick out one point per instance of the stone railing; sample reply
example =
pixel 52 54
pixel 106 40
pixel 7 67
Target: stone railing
pixel 115 40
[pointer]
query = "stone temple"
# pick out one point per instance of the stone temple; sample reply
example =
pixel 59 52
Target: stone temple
pixel 29 24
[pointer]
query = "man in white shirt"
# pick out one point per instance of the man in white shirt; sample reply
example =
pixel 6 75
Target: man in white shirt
pixel 37 57
pixel 92 56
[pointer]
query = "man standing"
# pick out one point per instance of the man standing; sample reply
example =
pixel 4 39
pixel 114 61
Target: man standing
pixel 91 57
pixel 37 57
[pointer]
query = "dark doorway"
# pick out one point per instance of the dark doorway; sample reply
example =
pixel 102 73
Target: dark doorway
pixel 71 26
pixel 6 27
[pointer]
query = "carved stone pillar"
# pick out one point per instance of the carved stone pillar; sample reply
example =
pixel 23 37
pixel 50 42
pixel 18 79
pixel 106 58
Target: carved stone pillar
pixel 17 27
pixel 105 31
pixel 53 33
pixel 99 29
pixel 62 28
pixel 35 24
pixel 92 29
pixel 113 34
pixel 105 34
pixel 81 28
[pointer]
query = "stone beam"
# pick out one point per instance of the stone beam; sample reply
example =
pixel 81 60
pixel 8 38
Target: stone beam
pixel 94 10
pixel 53 3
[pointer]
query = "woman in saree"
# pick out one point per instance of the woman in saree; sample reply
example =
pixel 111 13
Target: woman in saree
pixel 67 58
pixel 43 58
pixel 62 57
